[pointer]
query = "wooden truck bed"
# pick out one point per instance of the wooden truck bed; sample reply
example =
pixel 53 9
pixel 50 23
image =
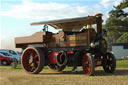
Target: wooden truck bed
pixel 60 39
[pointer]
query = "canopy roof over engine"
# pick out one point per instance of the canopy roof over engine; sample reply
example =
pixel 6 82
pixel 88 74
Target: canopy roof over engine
pixel 70 24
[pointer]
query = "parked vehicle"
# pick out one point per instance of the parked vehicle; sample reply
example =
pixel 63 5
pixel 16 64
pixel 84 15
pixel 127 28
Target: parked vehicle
pixel 17 57
pixel 78 44
pixel 4 60
pixel 9 51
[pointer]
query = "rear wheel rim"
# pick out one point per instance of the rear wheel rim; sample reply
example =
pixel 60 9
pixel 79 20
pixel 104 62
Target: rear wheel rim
pixel 30 60
pixel 88 64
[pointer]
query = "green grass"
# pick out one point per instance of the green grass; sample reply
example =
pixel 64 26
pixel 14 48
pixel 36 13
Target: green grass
pixel 121 79
pixel 122 63
pixel 19 67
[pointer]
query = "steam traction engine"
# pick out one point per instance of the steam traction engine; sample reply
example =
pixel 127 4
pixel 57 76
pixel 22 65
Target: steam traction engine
pixel 77 44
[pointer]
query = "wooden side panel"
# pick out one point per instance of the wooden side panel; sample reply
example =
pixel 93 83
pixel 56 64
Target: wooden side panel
pixel 38 37
pixel 78 40
pixel 58 40
pixel 33 39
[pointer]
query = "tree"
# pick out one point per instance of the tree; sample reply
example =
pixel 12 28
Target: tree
pixel 117 23
pixel 123 38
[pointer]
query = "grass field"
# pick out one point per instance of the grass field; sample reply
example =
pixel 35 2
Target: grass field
pixel 122 63
pixel 9 76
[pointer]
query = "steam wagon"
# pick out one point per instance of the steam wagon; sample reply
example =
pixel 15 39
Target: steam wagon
pixel 79 42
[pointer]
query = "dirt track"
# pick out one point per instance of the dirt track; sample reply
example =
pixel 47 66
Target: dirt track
pixel 48 77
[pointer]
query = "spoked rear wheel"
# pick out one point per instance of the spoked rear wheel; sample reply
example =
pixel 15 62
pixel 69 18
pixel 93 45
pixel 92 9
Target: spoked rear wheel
pixel 109 63
pixel 33 60
pixel 88 64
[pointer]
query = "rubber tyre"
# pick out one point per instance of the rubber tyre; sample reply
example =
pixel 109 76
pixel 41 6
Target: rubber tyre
pixel 63 62
pixel 109 63
pixel 4 62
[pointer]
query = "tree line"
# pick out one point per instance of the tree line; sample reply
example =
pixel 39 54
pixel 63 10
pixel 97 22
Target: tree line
pixel 117 23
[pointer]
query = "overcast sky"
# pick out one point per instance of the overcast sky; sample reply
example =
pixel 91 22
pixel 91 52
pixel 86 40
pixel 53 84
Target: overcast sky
pixel 16 15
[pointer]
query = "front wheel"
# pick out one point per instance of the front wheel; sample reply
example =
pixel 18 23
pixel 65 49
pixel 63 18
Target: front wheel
pixel 88 64
pixel 4 62
pixel 109 63
pixel 33 60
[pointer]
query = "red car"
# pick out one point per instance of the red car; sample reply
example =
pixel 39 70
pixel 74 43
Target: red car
pixel 5 60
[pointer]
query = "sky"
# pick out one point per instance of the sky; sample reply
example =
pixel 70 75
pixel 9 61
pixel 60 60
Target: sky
pixel 17 15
